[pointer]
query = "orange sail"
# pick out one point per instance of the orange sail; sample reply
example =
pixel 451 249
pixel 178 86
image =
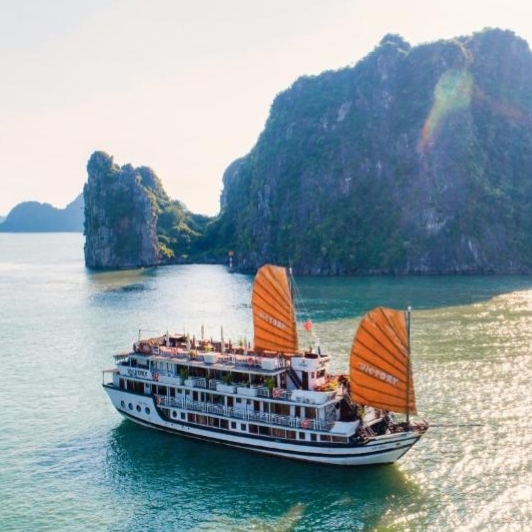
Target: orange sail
pixel 274 319
pixel 379 368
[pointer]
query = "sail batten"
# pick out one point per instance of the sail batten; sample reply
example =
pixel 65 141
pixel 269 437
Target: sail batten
pixel 379 368
pixel 274 319
pixel 392 361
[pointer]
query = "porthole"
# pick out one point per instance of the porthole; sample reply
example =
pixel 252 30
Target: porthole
pixel 138 408
pixel 122 404
pixel 147 410
pixel 174 414
pixel 130 406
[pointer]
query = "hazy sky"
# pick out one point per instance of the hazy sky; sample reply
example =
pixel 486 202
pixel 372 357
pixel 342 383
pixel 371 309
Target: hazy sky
pixel 183 87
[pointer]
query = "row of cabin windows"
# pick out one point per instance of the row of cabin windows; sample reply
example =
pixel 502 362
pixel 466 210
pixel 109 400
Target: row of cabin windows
pixel 274 432
pixel 278 409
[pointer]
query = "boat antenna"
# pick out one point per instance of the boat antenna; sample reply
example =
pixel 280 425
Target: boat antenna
pixel 408 368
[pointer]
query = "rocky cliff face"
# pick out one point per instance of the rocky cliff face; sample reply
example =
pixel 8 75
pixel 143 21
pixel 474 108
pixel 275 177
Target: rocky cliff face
pixel 415 160
pixel 120 216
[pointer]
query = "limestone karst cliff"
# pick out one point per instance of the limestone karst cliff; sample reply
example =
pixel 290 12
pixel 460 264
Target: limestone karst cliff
pixel 414 160
pixel 130 221
pixel 120 218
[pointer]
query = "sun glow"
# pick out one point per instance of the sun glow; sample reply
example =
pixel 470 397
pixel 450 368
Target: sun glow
pixel 452 93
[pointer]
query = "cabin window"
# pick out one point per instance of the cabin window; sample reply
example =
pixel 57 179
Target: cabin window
pixel 233 425
pixel 323 437
pixel 302 436
pixel 183 416
pixel 339 439
pixel 243 426
pixel 313 437
pixel 291 434
pixel 282 410
pixel 174 414
pixel 278 433
pixel 310 412
pixel 224 424
pixel 121 384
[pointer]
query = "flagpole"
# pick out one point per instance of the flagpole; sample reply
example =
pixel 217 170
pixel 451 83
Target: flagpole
pixel 408 369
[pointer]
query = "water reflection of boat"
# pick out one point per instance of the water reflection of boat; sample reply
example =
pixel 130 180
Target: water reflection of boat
pixel 205 482
pixel 274 398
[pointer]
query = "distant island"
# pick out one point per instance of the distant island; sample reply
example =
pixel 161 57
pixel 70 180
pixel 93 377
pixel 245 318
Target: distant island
pixel 35 217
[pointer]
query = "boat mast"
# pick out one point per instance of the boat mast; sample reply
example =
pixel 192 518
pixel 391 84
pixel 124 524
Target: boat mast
pixel 408 368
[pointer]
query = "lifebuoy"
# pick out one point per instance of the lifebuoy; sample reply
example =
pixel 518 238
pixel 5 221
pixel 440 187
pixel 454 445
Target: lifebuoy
pixel 305 423
pixel 250 361
pixel 155 376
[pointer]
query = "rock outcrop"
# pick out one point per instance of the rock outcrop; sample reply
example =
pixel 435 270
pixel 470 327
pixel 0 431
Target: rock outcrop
pixel 120 217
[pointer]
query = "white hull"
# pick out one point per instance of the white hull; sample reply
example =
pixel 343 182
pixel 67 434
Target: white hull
pixel 384 449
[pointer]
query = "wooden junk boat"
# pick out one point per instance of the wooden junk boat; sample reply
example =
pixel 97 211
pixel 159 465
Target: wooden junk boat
pixel 274 398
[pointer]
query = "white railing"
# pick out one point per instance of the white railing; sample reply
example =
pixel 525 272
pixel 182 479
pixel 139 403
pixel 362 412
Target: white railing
pixel 244 414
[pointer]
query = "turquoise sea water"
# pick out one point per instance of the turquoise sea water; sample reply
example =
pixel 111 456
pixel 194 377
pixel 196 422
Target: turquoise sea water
pixel 68 462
